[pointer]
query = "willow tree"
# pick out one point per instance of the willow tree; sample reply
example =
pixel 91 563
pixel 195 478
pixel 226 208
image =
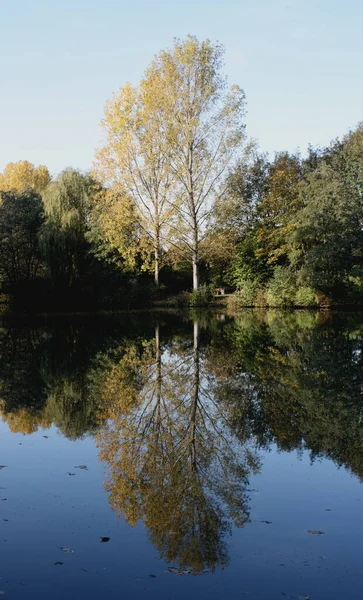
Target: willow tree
pixel 23 176
pixel 202 132
pixel 135 163
pixel 67 205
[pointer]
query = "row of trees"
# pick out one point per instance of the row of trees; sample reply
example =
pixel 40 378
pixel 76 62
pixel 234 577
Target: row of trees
pixel 177 185
pixel 294 226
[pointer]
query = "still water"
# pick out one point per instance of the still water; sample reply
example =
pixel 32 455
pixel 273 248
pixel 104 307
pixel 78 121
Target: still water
pixel 173 457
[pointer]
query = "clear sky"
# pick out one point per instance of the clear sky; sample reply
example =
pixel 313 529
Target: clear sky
pixel 300 63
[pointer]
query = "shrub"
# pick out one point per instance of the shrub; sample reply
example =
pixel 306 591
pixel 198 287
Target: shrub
pixel 182 300
pixel 305 296
pixel 281 288
pixel 246 292
pixel 201 297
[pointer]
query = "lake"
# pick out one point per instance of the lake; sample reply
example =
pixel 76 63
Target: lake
pixel 182 456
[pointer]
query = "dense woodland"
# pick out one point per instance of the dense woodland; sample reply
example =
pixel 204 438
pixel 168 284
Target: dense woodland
pixel 179 202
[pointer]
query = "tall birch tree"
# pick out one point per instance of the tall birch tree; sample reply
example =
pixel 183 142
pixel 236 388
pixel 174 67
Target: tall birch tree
pixel 134 162
pixel 202 130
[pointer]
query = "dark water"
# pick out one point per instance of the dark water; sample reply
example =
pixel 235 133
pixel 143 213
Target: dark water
pixel 224 458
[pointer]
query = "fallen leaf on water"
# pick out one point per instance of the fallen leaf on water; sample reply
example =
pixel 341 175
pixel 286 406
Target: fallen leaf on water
pixel 69 550
pixel 186 571
pixel 105 539
pixel 175 570
pixel 315 532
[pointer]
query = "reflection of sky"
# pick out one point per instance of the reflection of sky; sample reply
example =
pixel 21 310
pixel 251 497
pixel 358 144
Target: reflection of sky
pixel 48 508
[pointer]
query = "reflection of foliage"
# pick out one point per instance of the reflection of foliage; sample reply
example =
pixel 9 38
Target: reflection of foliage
pixel 21 385
pixel 175 417
pixel 168 445
pixel 300 379
pixel 24 420
pixel 43 380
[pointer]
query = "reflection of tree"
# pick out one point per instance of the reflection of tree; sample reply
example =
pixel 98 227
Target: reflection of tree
pixel 22 390
pixel 43 380
pixel 299 377
pixel 178 413
pixel 173 460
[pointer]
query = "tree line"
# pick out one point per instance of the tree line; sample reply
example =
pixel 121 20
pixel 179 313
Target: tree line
pixel 180 198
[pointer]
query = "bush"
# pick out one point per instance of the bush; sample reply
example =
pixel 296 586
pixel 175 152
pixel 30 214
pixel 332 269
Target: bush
pixel 246 292
pixel 305 296
pixel 201 297
pixel 182 300
pixel 281 288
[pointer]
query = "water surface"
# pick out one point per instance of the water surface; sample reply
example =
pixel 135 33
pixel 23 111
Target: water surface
pixel 222 457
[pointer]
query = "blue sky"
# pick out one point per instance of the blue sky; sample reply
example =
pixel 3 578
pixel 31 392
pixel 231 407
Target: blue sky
pixel 300 63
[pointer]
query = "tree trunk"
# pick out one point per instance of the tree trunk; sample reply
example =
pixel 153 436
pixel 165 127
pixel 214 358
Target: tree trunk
pixel 195 272
pixel 158 374
pixel 156 268
pixel 195 397
pixel 157 257
pixel 195 256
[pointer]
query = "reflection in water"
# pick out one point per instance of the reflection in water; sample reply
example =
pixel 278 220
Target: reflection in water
pixel 173 459
pixel 181 409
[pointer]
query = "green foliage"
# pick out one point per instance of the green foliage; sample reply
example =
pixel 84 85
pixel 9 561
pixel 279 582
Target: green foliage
pixel 202 296
pixel 247 292
pixel 305 296
pixel 21 217
pixel 247 265
pixel 67 204
pixel 182 300
pixel 305 245
pixel 281 289
pixel 328 238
